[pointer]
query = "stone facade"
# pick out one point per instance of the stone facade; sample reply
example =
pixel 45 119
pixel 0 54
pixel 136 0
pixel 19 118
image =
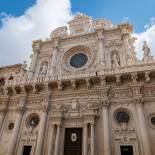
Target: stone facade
pixel 85 78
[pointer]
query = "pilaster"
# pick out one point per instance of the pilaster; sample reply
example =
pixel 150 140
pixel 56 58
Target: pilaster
pixel 106 128
pixel 143 126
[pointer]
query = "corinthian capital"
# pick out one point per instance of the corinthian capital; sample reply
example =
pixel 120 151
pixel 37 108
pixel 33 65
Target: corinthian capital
pixel 45 107
pixel 21 108
pixel 105 103
pixel 3 109
pixel 139 100
pixel 100 36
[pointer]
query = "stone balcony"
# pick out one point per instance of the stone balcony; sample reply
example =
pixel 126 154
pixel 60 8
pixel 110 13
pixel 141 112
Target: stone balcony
pixel 134 73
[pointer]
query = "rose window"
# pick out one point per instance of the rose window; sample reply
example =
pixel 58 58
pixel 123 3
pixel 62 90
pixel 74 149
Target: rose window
pixel 78 60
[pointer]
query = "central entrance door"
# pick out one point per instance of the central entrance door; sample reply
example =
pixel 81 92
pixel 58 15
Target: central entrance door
pixel 127 150
pixel 73 141
pixel 27 150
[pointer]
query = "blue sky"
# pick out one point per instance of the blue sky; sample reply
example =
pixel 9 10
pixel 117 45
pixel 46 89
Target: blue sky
pixel 22 21
pixel 138 12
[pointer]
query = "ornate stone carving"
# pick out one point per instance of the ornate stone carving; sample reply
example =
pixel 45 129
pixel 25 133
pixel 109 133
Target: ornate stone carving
pixel 59 32
pixel 102 23
pixel 120 93
pixel 122 131
pixel 136 90
pixel 80 24
pixel 74 104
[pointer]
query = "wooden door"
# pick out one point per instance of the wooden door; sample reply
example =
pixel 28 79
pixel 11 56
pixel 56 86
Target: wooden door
pixel 73 141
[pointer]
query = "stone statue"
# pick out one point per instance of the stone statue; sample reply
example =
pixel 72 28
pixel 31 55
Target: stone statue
pixel 115 60
pixel 147 58
pixel 43 68
pixel 23 67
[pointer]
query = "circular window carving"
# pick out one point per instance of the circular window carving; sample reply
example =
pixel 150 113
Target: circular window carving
pixel 33 120
pixel 11 126
pixel 78 60
pixel 153 120
pixel 73 137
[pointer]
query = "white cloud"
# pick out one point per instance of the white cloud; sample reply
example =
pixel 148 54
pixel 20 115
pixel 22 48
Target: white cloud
pixel 149 36
pixel 17 33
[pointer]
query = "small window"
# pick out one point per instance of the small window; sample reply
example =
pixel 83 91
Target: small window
pixel 11 126
pixel 153 120
pixel 122 117
pixel 32 120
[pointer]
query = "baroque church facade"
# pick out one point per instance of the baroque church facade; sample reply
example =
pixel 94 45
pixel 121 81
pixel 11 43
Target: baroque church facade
pixel 85 93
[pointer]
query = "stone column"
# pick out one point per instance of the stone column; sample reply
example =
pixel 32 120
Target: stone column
pixel 54 56
pixel 53 66
pixel 14 136
pixel 36 47
pixel 51 140
pixel 143 127
pixel 100 49
pixel 42 128
pixel 2 115
pixel 57 140
pixel 85 140
pixel 106 129
pixel 34 60
pixel 92 138
pixel 126 53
